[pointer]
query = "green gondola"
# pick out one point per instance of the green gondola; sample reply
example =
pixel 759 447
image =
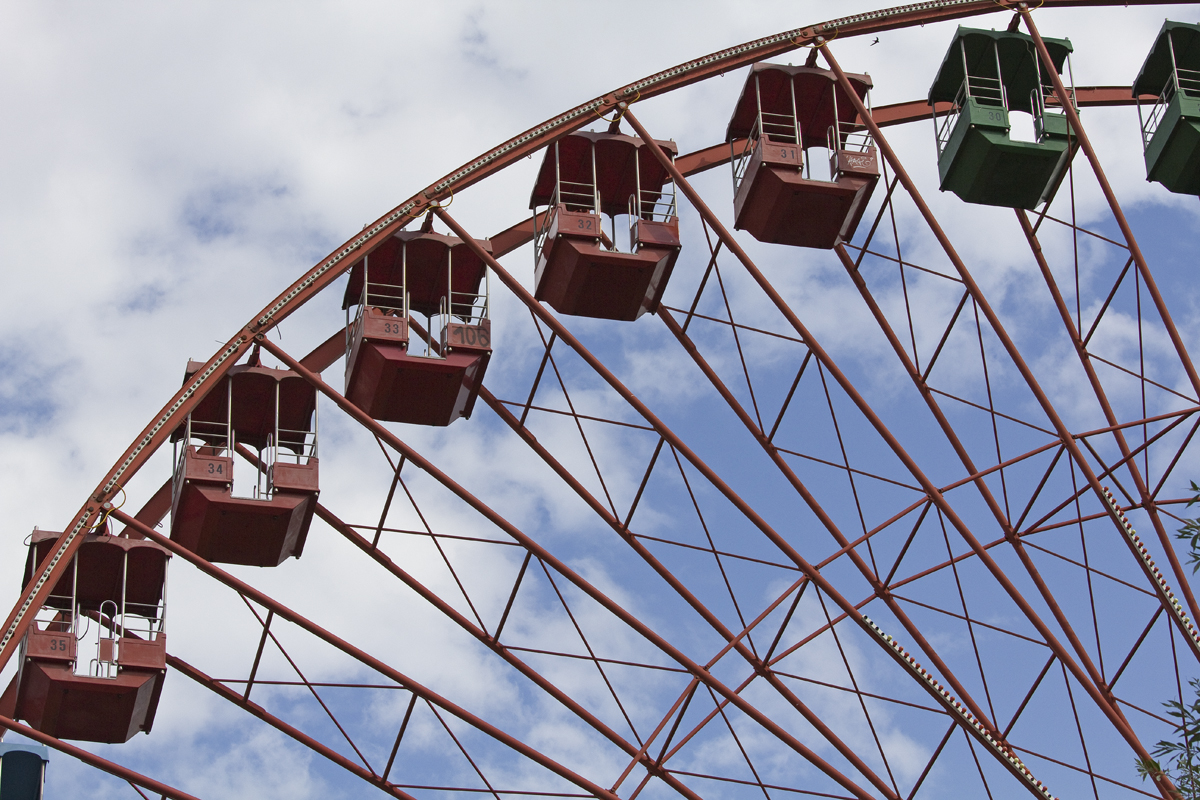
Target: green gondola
pixel 985 76
pixel 1171 128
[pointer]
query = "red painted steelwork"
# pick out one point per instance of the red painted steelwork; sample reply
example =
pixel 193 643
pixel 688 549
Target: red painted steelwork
pixel 367 660
pixel 96 761
pixel 1151 286
pixel 1085 678
pixel 552 561
pixel 1087 675
pixel 225 693
pixel 514 149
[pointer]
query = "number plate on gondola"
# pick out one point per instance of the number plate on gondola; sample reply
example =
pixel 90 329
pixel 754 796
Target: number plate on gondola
pixel 460 336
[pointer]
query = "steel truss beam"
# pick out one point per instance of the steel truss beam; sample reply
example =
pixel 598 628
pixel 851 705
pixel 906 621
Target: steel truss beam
pixel 869 414
pixel 384 435
pixel 93 760
pixel 334 265
pixel 810 572
pixel 359 655
pixel 98 507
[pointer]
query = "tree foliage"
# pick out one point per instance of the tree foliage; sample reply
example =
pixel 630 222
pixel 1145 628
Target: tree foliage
pixel 1179 759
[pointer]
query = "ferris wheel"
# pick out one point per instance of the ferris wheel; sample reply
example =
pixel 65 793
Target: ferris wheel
pixel 785 496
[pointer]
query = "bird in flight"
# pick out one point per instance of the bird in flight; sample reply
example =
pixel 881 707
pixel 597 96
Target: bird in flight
pixel 875 42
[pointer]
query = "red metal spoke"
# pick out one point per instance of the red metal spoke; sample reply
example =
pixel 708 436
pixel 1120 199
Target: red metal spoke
pixel 929 765
pixel 712 548
pixel 596 659
pixel 677 710
pixel 787 618
pixel 907 543
pixel 1036 494
pixel 319 684
pixel 454 537
pixel 967 618
pixel 837 430
pixel 102 764
pixel 537 378
pixel 991 409
pixel 1107 301
pixel 758 781
pixel 1081 228
pixel 733 325
pixel 591 656
pixel 482 636
pixel 512 597
pixel 1170 468
pixel 558 565
pixel 577 416
pixel 864 251
pixel 1029 695
pixel 1087 759
pixel 993 412
pixel 883 207
pixel 463 750
pixel 979 767
pixel 1098 777
pixel 824 359
pixel 1133 650
pixel 387 504
pixel 891 209
pixel 312 689
pixel 361 656
pixel 916 576
pixel 722 553
pixel 862 702
pixel 1143 268
pixel 1142 378
pixel 787 401
pixel 1085 673
pixel 262 642
pixel 218 688
pixel 1143 492
pixel 851 471
pixel 860 692
pixel 1090 570
pixel 811 501
pixel 737 342
pixel 574 414
pixel 1087 567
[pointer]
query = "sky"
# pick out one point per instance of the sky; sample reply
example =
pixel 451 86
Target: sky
pixel 171 169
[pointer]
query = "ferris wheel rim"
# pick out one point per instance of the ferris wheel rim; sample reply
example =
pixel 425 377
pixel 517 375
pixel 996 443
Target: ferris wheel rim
pixel 487 164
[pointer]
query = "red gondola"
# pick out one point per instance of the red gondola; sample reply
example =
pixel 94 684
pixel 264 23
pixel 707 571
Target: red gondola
pixel 783 113
pixel 578 268
pixel 443 279
pixel 116 587
pixel 272 411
